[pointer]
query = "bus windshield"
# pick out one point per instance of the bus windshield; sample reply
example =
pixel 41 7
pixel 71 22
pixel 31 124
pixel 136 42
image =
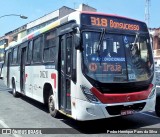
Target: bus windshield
pixel 117 58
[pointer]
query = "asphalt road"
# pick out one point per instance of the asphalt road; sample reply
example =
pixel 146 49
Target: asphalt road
pixel 24 112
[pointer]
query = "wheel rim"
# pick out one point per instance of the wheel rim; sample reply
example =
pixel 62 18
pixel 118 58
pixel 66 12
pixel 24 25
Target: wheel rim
pixel 51 104
pixel 14 90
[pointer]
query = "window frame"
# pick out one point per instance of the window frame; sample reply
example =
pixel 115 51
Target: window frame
pixel 15 59
pixel 49 47
pixel 40 49
pixel 29 44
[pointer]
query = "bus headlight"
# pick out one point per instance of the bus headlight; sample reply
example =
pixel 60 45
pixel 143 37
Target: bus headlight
pixel 152 93
pixel 89 95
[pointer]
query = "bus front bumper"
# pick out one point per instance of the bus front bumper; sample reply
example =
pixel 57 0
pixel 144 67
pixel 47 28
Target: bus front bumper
pixel 85 110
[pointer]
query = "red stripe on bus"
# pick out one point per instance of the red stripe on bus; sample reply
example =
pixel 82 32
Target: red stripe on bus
pixel 68 94
pixel 53 76
pixel 26 75
pixel 123 97
pixel 30 36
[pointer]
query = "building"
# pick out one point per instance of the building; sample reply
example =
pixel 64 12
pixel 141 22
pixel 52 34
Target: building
pixel 3 44
pixel 155 32
pixel 47 19
pixel 14 35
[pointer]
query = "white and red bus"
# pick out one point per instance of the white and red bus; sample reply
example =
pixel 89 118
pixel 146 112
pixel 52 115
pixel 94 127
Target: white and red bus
pixel 85 65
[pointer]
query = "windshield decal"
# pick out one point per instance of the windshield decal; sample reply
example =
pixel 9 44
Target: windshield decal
pixel 93 67
pixel 105 59
pixel 125 39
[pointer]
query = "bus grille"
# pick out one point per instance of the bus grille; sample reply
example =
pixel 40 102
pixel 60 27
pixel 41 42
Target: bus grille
pixel 121 89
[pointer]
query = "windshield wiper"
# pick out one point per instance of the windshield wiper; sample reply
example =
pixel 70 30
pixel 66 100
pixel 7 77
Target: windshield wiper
pixel 136 38
pixel 98 50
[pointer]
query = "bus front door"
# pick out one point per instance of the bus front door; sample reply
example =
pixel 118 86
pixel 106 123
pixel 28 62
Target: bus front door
pixel 8 68
pixel 22 70
pixel 65 73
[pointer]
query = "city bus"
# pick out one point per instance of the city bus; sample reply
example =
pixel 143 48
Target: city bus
pixel 86 65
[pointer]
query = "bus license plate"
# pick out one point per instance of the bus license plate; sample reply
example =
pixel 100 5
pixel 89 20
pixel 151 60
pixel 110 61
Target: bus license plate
pixel 127 112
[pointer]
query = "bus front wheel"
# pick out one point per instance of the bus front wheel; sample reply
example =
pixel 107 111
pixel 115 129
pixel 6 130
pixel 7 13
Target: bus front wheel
pixel 157 107
pixel 51 105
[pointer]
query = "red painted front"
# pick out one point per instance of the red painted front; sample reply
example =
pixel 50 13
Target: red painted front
pixel 123 97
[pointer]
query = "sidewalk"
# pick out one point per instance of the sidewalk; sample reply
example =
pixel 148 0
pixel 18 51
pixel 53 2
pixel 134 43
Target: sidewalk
pixel 3 87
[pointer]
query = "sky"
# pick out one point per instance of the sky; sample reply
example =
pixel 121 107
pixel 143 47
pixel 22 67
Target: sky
pixel 34 9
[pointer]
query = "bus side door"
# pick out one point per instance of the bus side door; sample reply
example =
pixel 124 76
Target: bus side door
pixel 65 72
pixel 8 68
pixel 22 69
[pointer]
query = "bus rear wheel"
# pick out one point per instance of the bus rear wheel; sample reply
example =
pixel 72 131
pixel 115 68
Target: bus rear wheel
pixel 51 105
pixel 157 107
pixel 14 92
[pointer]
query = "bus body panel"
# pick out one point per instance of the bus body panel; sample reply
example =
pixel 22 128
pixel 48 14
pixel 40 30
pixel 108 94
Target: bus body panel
pixel 41 76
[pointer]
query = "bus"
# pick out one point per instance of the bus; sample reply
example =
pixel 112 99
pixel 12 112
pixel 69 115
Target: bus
pixel 86 65
pixel 157 76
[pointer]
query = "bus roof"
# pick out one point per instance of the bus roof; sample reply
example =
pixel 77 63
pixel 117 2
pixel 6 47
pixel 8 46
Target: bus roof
pixel 112 15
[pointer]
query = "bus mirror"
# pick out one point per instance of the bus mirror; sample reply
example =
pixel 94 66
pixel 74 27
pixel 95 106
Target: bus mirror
pixel 77 41
pixel 75 28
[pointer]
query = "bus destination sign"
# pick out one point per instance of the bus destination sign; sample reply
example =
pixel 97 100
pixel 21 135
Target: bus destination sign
pixel 104 22
pixel 112 22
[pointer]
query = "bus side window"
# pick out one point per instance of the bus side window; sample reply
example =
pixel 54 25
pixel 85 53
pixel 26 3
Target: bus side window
pixel 37 50
pixel 29 53
pixel 11 56
pixel 19 54
pixel 50 51
pixel 14 56
pixel 6 58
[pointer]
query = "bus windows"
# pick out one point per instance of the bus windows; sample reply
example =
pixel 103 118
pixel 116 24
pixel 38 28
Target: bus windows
pixel 29 53
pixel 14 58
pixel 49 47
pixel 37 50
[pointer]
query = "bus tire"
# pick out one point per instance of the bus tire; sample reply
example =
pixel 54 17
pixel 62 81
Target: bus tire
pixel 14 92
pixel 157 107
pixel 51 106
